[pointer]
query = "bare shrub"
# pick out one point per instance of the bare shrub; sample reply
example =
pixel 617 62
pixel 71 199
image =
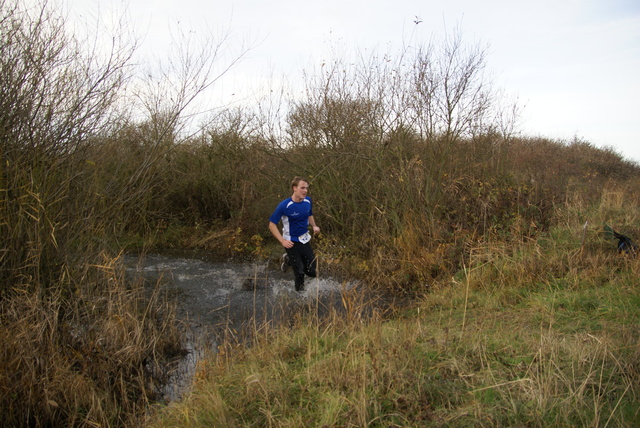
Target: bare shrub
pixel 54 94
pixel 78 342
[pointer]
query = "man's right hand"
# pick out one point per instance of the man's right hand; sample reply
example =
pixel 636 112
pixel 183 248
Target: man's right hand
pixel 287 243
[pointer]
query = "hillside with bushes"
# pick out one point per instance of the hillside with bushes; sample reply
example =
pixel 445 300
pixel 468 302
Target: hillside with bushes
pixel 418 176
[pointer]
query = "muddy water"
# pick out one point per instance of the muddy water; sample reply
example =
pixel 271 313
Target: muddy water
pixel 217 298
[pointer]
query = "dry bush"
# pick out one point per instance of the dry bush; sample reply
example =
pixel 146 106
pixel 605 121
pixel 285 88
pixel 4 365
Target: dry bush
pixel 411 158
pixel 94 358
pixel 80 345
pixel 53 96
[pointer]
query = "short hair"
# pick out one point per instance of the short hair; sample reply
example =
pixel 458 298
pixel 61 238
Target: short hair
pixel 296 181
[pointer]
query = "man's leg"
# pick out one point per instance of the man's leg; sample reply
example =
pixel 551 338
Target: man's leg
pixel 309 260
pixel 297 263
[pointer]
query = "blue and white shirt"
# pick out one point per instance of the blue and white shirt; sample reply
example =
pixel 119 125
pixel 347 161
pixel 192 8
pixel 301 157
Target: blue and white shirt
pixel 294 217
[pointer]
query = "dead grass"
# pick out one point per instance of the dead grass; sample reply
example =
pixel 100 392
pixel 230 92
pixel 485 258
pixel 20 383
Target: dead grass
pixel 541 332
pixel 84 360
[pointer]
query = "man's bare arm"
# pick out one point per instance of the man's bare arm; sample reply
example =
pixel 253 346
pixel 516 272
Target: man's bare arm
pixel 276 233
pixel 312 222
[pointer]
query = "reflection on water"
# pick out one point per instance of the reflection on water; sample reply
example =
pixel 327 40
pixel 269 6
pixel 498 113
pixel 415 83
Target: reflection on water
pixel 217 297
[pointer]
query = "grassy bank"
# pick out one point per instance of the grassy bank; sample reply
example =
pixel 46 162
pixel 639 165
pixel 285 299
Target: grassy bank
pixel 540 332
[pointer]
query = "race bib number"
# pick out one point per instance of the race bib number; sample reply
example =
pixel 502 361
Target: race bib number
pixel 304 238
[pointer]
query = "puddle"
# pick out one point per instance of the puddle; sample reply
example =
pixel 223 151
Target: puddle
pixel 217 297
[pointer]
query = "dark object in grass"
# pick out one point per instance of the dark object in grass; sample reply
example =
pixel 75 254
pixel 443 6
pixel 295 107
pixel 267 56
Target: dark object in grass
pixel 625 244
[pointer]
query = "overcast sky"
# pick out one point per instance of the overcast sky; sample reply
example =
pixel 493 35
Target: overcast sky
pixel 573 64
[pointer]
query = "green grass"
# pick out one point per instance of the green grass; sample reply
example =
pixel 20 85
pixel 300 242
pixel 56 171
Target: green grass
pixel 562 351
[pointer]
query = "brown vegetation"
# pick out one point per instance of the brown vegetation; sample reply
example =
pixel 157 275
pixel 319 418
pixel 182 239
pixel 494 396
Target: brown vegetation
pixel 412 162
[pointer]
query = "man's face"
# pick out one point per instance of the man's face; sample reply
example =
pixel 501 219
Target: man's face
pixel 300 191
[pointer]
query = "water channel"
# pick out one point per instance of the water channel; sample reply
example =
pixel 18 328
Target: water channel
pixel 215 298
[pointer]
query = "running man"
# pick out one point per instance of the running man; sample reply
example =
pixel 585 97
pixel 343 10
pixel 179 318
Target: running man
pixel 296 216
